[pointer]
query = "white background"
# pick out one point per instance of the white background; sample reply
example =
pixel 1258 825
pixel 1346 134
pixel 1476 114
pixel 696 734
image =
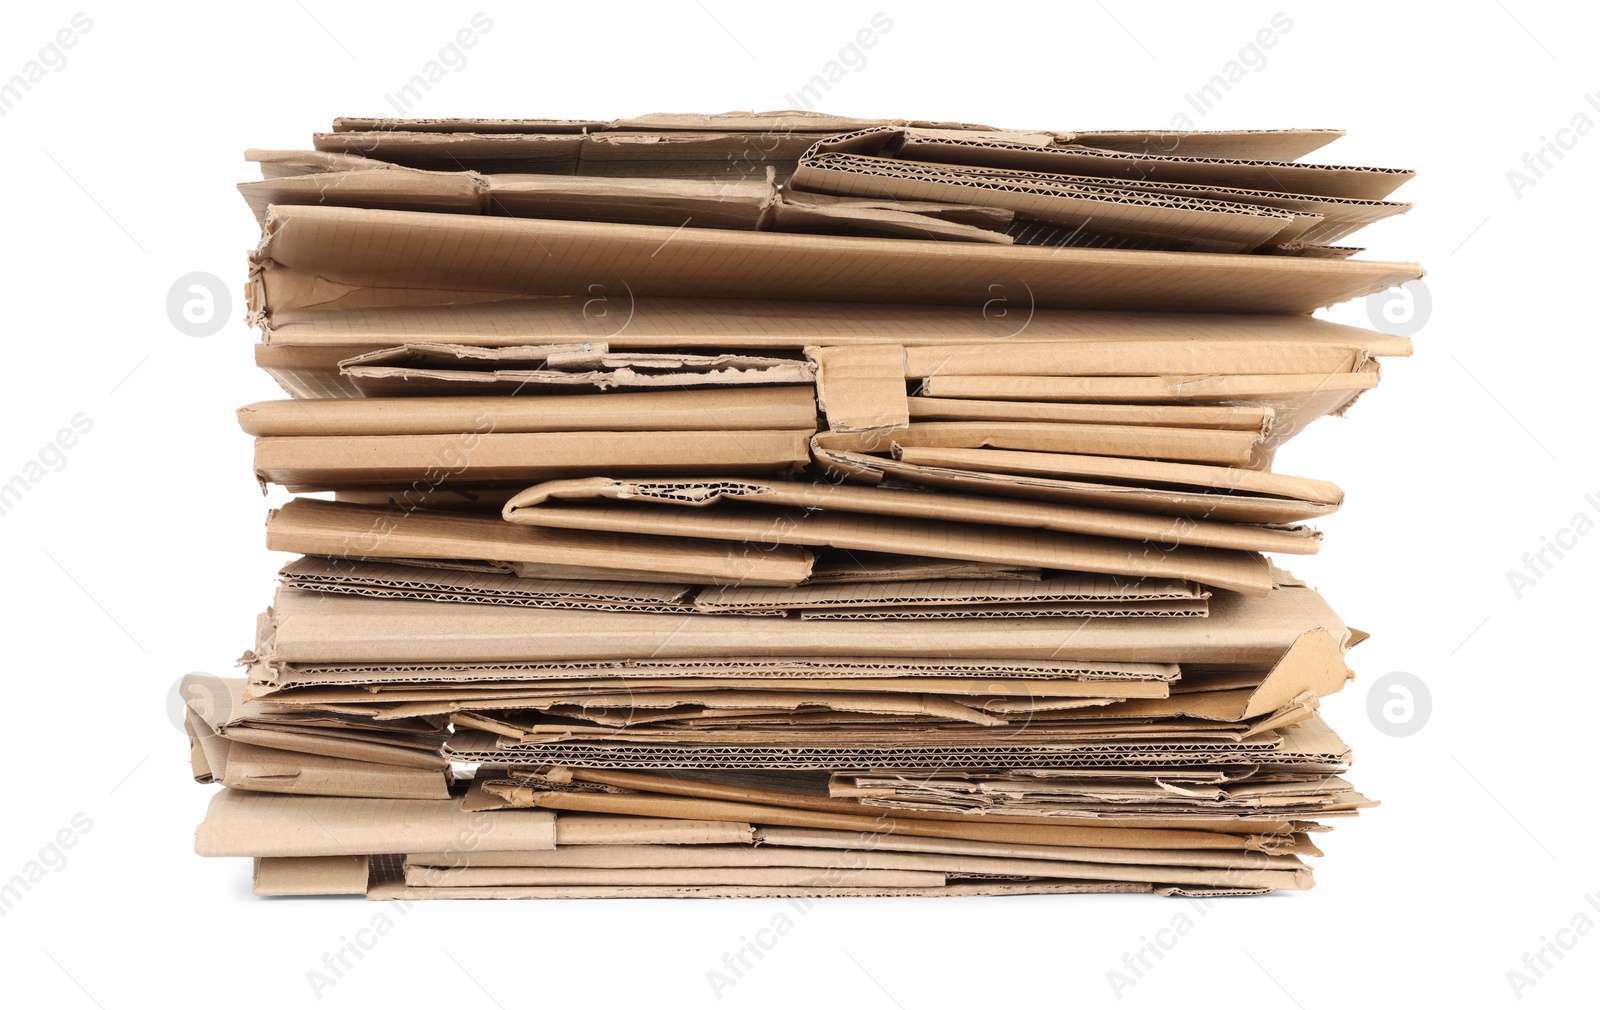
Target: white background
pixel 141 559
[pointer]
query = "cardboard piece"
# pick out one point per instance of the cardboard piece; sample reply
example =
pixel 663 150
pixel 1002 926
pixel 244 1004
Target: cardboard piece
pixel 357 532
pixel 1242 630
pixel 330 462
pixel 547 505
pixel 241 823
pixel 448 252
pixel 433 369
pixel 1192 491
pixel 766 408
pixel 551 505
pixel 861 388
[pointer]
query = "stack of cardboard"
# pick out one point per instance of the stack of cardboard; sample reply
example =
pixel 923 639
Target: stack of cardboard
pixel 782 504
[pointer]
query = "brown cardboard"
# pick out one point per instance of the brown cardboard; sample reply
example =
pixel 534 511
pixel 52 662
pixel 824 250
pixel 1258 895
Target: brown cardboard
pixel 975 677
pixel 1354 183
pixel 434 369
pixel 756 409
pixel 855 165
pixel 861 388
pixel 697 876
pixel 1028 834
pixel 298 875
pixel 361 578
pixel 1066 587
pixel 1191 445
pixel 613 312
pixel 1243 630
pixel 326 462
pixel 910 522
pixel 348 531
pixel 1224 418
pixel 262 824
pixel 260 769
pixel 758 527
pixel 404 249
pixel 1194 491
pixel 1150 357
pixel 802 867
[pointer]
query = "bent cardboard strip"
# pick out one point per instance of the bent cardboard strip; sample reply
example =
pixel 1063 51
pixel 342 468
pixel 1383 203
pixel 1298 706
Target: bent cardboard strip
pixel 758 527
pixel 544 504
pixel 356 532
pixel 1228 494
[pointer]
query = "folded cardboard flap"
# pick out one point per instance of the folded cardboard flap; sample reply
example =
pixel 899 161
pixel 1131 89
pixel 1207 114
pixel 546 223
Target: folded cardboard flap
pixel 304 875
pixel 265 770
pixel 732 493
pixel 349 531
pixel 861 388
pixel 406 249
pixel 923 526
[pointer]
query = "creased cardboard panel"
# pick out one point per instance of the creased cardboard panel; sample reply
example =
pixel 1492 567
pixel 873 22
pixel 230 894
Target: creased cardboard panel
pixel 1232 494
pixel 613 313
pixel 760 526
pixel 348 531
pixel 708 500
pixel 407 249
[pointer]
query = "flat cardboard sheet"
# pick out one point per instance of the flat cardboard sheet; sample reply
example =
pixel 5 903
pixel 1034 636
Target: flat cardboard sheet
pixel 1243 630
pixel 405 249
pixel 331 462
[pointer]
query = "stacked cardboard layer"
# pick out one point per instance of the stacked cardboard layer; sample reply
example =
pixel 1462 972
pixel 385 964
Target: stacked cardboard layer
pixel 782 504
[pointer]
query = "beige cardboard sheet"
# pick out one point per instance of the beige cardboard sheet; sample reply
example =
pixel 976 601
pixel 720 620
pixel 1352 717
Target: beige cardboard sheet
pixel 404 249
pixel 331 462
pixel 1244 630
pixel 349 531
pixel 780 407
pixel 263 824
pixel 545 504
